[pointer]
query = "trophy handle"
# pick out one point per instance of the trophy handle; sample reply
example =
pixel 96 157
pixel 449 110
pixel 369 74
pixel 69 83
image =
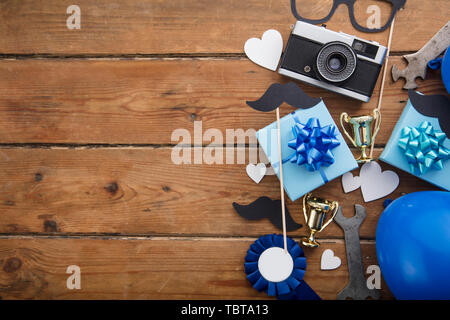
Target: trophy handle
pixel 377 125
pixel 335 205
pixel 345 117
pixel 304 206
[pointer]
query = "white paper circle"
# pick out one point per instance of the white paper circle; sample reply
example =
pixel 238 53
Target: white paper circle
pixel 275 265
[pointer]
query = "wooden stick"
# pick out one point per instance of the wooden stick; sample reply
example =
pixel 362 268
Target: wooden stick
pixel 283 213
pixel 380 98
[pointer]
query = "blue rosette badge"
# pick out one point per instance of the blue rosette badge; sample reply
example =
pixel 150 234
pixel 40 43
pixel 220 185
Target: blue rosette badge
pixel 270 269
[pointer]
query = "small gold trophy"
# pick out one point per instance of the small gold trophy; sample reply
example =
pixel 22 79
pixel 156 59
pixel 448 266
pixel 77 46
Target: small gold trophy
pixel 318 209
pixel 362 131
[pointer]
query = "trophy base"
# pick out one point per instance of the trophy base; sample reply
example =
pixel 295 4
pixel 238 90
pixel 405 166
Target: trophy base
pixel 364 160
pixel 308 242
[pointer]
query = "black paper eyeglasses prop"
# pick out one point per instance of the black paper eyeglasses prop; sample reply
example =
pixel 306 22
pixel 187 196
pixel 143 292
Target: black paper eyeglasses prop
pixel 396 5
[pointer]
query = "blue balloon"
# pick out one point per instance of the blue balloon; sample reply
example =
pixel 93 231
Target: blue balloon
pixel 445 70
pixel 413 246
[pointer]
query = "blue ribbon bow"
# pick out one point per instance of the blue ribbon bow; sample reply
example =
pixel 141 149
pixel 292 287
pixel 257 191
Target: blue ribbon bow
pixel 423 148
pixel 313 144
pixel 294 287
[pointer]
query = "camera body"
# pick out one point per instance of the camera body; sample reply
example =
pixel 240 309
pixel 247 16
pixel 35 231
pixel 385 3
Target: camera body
pixel 333 60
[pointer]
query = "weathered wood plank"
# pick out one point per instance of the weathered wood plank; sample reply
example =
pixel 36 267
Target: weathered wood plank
pixel 185 26
pixel 151 269
pixel 140 191
pixel 73 101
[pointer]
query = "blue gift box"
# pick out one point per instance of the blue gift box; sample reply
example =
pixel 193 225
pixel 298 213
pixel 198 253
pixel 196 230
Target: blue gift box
pixel 301 179
pixel 395 155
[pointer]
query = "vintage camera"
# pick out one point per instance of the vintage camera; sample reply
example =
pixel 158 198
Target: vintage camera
pixel 332 60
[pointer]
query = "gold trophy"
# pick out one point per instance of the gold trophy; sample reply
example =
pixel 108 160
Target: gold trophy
pixel 362 131
pixel 318 209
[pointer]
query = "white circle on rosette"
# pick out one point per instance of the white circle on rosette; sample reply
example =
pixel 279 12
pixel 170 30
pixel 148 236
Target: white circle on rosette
pixel 275 265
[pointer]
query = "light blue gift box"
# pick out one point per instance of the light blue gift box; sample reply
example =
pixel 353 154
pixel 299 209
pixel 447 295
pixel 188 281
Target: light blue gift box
pixel 298 180
pixel 395 156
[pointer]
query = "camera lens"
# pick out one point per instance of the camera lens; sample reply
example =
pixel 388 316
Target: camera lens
pixel 336 62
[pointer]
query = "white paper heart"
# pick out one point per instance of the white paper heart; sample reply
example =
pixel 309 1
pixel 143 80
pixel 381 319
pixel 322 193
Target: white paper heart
pixel 256 173
pixel 376 184
pixel 329 261
pixel 266 51
pixel 350 183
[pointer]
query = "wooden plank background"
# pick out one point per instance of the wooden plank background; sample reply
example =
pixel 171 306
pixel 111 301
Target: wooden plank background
pixel 185 26
pixel 86 122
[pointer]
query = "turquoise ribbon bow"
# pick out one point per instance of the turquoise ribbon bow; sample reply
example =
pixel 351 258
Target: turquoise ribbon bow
pixel 423 148
pixel 313 144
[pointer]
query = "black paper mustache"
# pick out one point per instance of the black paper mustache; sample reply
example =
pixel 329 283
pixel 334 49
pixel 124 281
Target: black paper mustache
pixel 436 106
pixel 278 93
pixel 264 207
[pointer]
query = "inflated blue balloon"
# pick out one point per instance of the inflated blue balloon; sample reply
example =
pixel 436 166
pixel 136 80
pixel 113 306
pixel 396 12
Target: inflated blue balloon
pixel 445 70
pixel 413 246
pixel 444 64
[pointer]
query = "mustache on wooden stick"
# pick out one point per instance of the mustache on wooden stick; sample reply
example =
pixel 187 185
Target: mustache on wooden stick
pixel 435 106
pixel 264 207
pixel 278 93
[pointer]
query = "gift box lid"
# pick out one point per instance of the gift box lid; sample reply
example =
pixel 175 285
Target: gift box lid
pixel 298 180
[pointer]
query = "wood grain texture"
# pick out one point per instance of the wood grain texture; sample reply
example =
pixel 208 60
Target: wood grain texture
pixel 144 101
pixel 86 123
pixel 140 191
pixel 191 268
pixel 185 26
